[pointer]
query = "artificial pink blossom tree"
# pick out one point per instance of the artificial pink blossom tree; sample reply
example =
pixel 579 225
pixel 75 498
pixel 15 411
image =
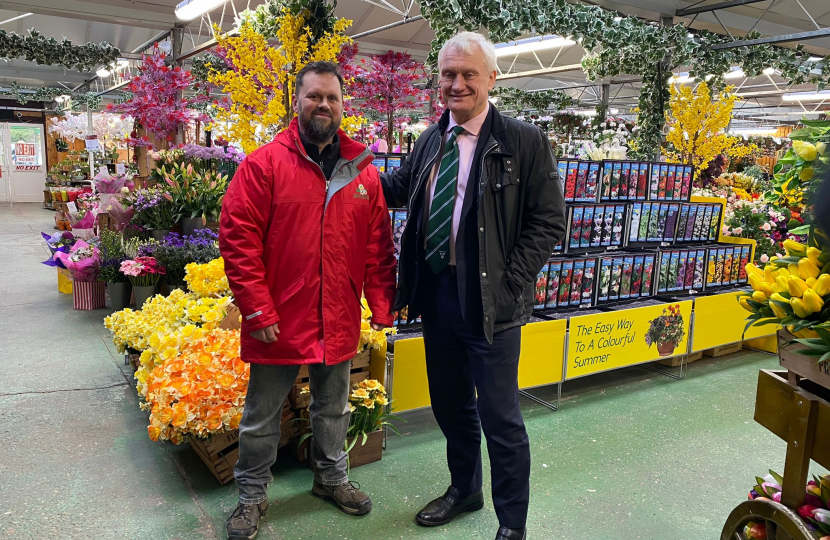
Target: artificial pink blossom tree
pixel 157 102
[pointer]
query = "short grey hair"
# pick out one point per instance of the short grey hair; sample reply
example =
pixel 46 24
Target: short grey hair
pixel 467 43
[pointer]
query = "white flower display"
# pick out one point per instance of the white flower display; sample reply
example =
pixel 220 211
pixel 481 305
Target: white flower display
pixel 110 128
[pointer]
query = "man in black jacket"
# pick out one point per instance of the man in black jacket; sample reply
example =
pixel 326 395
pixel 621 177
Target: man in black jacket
pixel 486 210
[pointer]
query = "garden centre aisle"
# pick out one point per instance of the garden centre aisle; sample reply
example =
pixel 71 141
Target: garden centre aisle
pixel 631 455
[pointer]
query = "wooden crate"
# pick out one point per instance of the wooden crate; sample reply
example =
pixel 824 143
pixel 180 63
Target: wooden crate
pixel 359 372
pixel 219 452
pixel 676 361
pixel 723 350
pixel 799 365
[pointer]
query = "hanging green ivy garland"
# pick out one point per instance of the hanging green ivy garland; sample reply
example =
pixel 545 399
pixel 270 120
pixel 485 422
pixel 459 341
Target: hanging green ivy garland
pixel 49 51
pixel 541 101
pixel 625 46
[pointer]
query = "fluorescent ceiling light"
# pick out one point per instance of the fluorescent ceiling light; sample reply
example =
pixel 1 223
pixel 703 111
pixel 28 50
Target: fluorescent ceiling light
pixel 769 71
pixel 190 9
pixel 103 72
pixel 16 18
pixel 617 19
pixel 815 59
pixel 806 96
pixel 584 112
pixel 755 131
pixel 532 44
pixel 62 98
pixel 615 111
pixel 734 73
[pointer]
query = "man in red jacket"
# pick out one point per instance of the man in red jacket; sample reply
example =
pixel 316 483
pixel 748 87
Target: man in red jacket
pixel 305 232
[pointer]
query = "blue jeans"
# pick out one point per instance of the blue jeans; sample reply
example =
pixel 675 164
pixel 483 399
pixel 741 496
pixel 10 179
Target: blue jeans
pixel 259 430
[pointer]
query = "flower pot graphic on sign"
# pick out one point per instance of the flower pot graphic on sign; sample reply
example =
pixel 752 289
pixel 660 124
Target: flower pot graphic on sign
pixel 666 331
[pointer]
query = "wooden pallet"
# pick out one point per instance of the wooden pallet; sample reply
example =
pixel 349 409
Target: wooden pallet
pixel 723 350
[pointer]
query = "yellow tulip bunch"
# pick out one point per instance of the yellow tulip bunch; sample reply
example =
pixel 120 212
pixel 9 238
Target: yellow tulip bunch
pixel 792 290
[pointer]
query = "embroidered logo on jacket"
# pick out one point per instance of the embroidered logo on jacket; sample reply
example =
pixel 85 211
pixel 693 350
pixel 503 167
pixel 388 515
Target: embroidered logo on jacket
pixel 361 193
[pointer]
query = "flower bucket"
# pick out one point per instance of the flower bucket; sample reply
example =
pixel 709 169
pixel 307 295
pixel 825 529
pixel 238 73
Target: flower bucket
pixel 159 234
pixel 666 349
pixel 189 225
pixel 120 294
pixel 88 295
pixel 142 294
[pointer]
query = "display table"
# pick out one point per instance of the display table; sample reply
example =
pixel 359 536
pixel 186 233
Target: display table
pixel 592 343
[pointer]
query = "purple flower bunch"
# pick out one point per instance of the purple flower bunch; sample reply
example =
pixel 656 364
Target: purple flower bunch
pixel 175 252
pixel 195 151
pixel 145 199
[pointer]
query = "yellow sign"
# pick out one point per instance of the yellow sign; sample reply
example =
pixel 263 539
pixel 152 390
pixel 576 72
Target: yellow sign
pixel 719 320
pixel 627 337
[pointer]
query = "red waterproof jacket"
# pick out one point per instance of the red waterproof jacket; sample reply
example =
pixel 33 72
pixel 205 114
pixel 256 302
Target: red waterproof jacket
pixel 300 255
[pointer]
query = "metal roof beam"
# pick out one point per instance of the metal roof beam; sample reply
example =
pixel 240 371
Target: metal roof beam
pixel 113 12
pixel 800 36
pixel 723 5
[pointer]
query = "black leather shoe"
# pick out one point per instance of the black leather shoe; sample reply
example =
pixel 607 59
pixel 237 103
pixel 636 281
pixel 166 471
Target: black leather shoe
pixel 511 534
pixel 448 507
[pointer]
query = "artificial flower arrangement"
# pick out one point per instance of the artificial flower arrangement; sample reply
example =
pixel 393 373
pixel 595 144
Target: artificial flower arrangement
pixel 142 271
pixel 83 261
pixel 666 330
pixel 795 179
pixel 200 391
pixel 370 338
pixel 195 193
pixel 815 511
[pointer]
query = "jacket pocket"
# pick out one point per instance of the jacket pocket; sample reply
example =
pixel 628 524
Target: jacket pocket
pixel 357 293
pixel 509 301
pixel 290 291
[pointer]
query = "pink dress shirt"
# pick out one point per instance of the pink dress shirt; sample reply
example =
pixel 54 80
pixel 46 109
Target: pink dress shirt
pixel 467 142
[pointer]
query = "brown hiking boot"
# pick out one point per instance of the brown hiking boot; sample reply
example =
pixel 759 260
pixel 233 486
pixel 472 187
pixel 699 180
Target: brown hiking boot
pixel 244 522
pixel 347 496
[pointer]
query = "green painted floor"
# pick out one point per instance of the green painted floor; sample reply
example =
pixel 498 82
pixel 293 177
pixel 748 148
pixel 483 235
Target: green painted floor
pixel 631 455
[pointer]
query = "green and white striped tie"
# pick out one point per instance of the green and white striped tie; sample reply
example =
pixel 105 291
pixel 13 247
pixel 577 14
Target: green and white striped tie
pixel 439 224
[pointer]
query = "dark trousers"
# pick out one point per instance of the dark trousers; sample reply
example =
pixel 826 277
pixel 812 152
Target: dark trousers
pixel 462 364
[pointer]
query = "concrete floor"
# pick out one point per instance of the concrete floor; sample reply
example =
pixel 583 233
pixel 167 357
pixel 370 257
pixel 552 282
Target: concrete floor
pixel 631 455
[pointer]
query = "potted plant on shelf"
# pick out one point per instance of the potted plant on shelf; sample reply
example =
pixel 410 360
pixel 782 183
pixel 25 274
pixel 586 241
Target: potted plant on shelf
pixel 145 274
pixel 119 287
pixel 666 331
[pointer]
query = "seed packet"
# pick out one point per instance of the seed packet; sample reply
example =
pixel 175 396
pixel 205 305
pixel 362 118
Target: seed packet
pixel 664 178
pixel 541 287
pixel 637 276
pixel 581 179
pixel 562 168
pixel 719 266
pixel 745 252
pixel 671 223
pixel 625 282
pixel 607 169
pixel 681 271
pixel 670 174
pixel 633 176
pixel 663 272
pixel 678 183
pixel 688 171
pixel 565 283
pixel 674 266
pixel 701 268
pixel 690 223
pixel 682 219
pixel 714 229
pixel 690 270
pixel 711 265
pixel 616 278
pixel 607 222
pixel 653 221
pixel 642 182
pixel 655 181
pixel 570 183
pixel 587 227
pixel 727 265
pixel 636 209
pixel 398 226
pixel 604 279
pixel 596 226
pixel 706 223
pixel 617 225
pixel 576 227
pixel 576 282
pixel 648 275
pixel 642 234
pixel 615 181
pixel 661 223
pixel 591 182
pixel 624 176
pixel 588 281
pixel 553 285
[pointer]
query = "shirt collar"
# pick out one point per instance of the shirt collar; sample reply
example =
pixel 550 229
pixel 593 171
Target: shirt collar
pixel 332 148
pixel 473 125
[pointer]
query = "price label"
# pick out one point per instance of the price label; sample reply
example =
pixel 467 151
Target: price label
pixel 72 206
pixel 92 143
pixel 120 168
